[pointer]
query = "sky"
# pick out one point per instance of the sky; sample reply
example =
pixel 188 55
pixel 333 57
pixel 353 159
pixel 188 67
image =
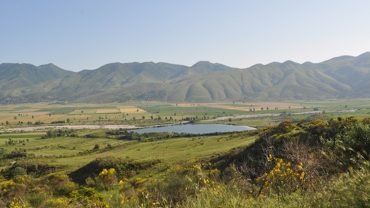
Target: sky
pixel 86 34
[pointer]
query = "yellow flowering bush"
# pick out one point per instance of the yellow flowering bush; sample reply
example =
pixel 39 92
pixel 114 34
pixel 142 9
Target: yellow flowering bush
pixel 60 184
pixel 107 178
pixel 87 197
pixel 6 185
pixel 283 177
pixel 10 189
pixel 57 202
pixel 17 203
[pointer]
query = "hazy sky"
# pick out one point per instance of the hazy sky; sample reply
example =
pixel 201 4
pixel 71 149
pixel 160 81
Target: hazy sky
pixel 85 34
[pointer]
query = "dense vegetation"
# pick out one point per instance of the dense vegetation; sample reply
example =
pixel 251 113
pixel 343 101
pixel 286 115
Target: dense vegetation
pixel 313 163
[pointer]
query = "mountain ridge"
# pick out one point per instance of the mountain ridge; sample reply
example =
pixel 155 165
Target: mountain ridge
pixel 336 78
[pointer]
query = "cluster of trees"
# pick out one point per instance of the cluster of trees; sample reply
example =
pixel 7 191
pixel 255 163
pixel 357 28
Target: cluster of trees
pixel 21 122
pixel 60 133
pixel 12 142
pixel 15 154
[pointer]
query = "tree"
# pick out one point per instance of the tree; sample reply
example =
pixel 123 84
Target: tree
pixel 96 147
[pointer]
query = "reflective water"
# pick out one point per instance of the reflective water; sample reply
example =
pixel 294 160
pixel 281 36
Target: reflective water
pixel 195 129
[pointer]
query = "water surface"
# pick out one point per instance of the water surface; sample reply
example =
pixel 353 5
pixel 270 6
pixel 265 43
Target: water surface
pixel 195 129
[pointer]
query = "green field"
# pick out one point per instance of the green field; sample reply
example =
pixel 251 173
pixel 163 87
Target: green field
pixel 70 153
pixel 152 113
pixel 137 114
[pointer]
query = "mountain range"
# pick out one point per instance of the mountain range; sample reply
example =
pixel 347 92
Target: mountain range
pixel 338 78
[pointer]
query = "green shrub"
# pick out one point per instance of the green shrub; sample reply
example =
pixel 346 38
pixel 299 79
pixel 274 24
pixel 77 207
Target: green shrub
pixel 17 171
pixel 37 199
pixel 60 184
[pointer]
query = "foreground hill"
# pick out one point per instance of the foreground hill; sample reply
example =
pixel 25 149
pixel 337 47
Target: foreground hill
pixel 341 77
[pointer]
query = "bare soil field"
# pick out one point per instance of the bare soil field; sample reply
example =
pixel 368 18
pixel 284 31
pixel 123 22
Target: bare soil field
pixel 130 109
pixel 255 106
pixel 107 110
pixel 43 128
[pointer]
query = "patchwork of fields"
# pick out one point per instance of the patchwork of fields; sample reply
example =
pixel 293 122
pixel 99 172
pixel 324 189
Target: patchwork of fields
pixel 151 113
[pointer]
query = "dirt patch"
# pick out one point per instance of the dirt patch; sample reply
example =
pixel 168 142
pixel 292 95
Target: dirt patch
pixel 107 110
pixel 257 106
pixel 44 128
pixel 131 109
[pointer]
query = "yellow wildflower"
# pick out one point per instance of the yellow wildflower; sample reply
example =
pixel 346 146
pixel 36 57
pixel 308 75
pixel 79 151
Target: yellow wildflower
pixel 104 172
pixel 112 171
pixel 269 158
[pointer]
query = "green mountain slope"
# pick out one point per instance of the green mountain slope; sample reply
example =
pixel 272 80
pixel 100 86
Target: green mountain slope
pixel 28 83
pixel 341 77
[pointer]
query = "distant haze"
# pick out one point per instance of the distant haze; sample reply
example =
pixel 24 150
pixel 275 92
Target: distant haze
pixel 86 34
